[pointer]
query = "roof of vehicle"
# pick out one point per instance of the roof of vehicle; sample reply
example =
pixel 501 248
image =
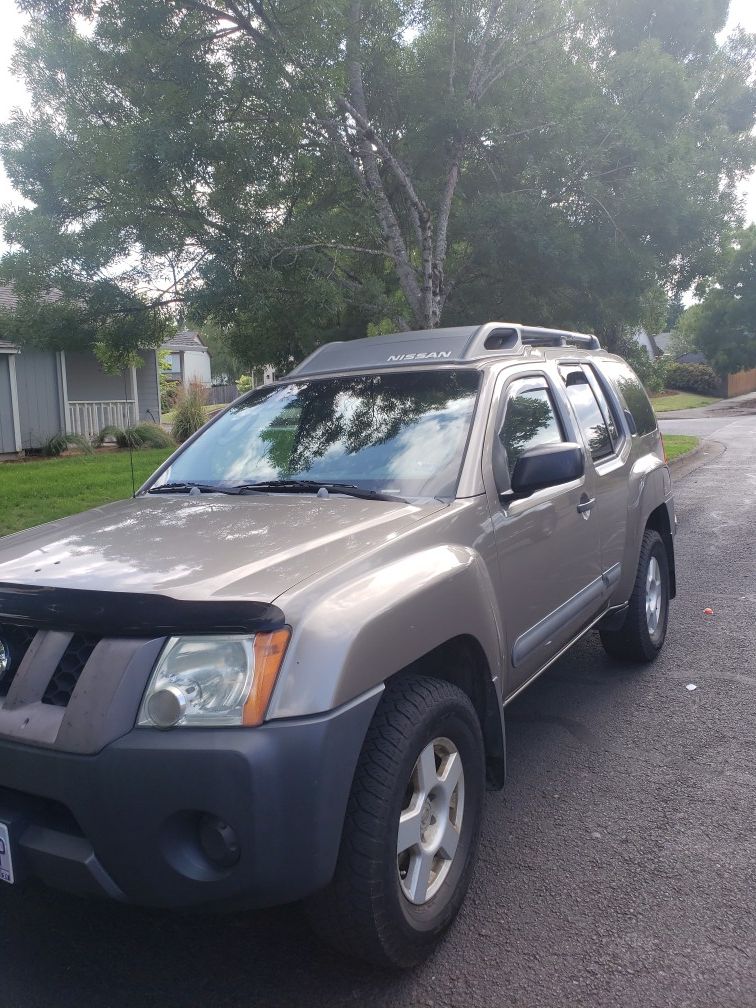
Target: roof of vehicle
pixel 457 345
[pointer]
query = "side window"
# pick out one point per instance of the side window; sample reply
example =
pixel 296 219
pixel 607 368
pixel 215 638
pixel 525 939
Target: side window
pixel 630 388
pixel 588 412
pixel 606 408
pixel 530 420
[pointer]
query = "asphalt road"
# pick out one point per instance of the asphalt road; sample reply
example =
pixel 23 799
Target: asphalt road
pixel 617 868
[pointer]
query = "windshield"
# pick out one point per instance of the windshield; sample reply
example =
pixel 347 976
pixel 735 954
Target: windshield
pixel 402 433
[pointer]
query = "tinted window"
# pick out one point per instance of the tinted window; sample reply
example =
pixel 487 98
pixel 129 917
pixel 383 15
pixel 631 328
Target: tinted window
pixel 530 420
pixel 588 412
pixel 401 432
pixel 606 410
pixel 630 388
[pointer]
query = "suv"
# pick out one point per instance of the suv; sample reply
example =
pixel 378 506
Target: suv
pixel 279 672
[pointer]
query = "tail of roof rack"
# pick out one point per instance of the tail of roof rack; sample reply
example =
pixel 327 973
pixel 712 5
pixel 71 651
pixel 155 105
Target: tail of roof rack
pixel 437 346
pixel 557 337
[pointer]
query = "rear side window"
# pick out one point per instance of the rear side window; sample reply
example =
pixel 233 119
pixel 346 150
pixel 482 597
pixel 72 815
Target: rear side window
pixel 606 408
pixel 588 412
pixel 530 420
pixel 630 388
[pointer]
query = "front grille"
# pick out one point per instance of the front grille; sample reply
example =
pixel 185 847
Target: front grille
pixel 69 668
pixel 17 640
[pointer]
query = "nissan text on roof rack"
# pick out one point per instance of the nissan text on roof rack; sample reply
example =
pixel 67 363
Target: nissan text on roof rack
pixel 280 671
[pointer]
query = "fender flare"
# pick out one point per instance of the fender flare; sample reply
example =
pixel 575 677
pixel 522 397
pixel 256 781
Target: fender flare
pixel 379 623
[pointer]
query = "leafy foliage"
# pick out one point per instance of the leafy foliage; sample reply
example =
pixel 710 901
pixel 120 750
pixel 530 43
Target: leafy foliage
pixel 59 443
pixel 723 325
pixel 189 412
pixel 145 435
pixel 553 163
pixel 693 378
pixel 653 374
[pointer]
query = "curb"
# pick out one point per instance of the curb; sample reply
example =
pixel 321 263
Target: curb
pixel 687 456
pixel 706 451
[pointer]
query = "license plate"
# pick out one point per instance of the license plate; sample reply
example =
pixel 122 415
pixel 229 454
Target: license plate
pixel 6 861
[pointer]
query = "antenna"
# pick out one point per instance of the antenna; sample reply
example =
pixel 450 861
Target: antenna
pixel 128 436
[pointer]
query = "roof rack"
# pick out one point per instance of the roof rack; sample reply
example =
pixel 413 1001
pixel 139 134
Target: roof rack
pixel 437 346
pixel 557 337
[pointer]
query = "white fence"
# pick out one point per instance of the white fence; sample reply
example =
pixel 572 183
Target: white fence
pixel 88 417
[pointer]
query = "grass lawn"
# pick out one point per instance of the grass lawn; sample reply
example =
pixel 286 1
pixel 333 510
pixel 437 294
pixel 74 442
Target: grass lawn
pixel 678 444
pixel 680 400
pixel 35 492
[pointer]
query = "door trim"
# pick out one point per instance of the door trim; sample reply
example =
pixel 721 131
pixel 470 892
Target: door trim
pixel 530 640
pixel 523 686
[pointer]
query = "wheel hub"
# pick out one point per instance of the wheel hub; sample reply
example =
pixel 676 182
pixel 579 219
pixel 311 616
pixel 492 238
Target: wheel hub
pixel 653 595
pixel 431 820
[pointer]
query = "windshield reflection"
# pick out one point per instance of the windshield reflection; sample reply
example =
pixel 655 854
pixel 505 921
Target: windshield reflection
pixel 402 433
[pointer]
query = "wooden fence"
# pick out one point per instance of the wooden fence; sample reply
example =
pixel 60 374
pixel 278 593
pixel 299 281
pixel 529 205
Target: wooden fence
pixel 217 394
pixel 740 383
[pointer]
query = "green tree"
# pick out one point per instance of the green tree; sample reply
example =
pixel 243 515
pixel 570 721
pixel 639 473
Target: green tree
pixel 723 325
pixel 300 171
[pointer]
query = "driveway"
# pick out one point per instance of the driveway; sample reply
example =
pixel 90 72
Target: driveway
pixel 618 868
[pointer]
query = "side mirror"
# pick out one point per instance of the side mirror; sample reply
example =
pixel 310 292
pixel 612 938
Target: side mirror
pixel 547 465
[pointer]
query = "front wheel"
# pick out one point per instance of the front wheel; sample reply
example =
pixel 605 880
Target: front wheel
pixel 641 636
pixel 411 829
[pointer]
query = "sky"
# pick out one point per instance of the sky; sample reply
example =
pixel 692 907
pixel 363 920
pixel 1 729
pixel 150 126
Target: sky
pixel 13 94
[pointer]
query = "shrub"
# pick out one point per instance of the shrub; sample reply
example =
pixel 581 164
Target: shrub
pixel 189 414
pixel 146 435
pixel 698 378
pixel 652 373
pixel 169 392
pixel 59 443
pixel 655 375
pixel 244 383
pixel 110 432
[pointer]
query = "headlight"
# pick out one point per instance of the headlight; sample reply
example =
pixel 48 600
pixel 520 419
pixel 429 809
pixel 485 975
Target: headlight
pixel 213 680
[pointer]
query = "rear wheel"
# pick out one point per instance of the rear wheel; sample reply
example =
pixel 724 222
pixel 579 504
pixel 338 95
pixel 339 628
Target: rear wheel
pixel 641 637
pixel 411 829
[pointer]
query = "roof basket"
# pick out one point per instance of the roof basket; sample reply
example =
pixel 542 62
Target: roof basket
pixel 557 337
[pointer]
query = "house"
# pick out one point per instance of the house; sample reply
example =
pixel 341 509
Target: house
pixel 44 392
pixel 647 341
pixel 663 342
pixel 188 359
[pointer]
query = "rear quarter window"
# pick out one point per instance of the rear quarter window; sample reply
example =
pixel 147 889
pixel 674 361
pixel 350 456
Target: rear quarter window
pixel 630 388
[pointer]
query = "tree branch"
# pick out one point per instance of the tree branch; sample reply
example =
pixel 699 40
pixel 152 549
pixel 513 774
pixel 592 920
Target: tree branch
pixel 365 140
pixel 338 246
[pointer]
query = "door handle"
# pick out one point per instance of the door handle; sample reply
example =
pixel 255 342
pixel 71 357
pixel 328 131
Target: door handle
pixel 584 507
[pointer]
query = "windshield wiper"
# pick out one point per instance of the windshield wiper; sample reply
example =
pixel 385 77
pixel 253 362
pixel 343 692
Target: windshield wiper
pixel 189 486
pixel 312 486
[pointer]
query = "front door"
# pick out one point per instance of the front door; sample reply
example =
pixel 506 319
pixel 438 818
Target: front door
pixel 550 584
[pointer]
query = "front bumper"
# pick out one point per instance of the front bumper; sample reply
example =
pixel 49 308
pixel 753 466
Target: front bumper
pixel 124 822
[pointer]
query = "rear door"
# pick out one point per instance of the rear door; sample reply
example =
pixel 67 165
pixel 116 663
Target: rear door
pixel 607 443
pixel 549 551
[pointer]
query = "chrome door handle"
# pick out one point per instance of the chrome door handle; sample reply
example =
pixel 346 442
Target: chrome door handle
pixel 585 506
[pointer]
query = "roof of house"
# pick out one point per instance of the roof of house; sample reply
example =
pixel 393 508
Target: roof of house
pixel 187 339
pixel 8 299
pixel 9 302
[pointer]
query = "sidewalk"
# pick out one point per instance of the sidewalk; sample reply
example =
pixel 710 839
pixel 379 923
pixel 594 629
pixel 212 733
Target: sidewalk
pixel 743 405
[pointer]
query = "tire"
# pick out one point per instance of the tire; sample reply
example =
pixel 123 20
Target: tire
pixel 639 640
pixel 367 910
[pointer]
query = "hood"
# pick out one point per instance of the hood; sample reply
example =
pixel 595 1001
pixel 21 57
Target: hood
pixel 203 547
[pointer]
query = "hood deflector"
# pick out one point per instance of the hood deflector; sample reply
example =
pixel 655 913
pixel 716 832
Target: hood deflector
pixel 131 614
